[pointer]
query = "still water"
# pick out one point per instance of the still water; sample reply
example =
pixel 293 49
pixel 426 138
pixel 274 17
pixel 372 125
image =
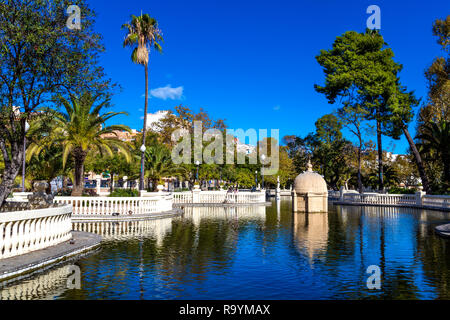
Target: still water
pixel 258 252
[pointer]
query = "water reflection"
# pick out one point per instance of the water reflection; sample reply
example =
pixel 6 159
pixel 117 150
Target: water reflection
pixel 196 214
pixel 44 286
pixel 311 233
pixel 258 252
pixel 128 230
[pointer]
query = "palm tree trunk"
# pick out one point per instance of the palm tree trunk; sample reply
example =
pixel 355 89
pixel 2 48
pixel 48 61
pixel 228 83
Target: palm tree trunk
pixel 111 187
pixel 418 158
pixel 144 130
pixel 79 156
pixel 49 186
pixel 380 157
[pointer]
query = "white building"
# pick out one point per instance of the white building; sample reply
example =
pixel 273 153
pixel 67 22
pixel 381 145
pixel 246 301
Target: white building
pixel 154 118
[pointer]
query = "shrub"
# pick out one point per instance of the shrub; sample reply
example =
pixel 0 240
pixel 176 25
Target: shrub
pixel 124 193
pixel 397 190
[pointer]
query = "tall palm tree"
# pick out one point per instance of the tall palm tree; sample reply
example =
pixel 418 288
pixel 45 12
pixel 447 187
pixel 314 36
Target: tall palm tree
pixel 435 139
pixel 143 34
pixel 80 130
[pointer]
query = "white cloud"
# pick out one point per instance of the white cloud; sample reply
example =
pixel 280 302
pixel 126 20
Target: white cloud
pixel 167 92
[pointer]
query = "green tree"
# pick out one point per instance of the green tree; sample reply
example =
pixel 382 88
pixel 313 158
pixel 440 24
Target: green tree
pixel 143 34
pixel 159 165
pixel 40 57
pixel 435 139
pixel 438 77
pixel 352 117
pixel 328 151
pixel 79 130
pixel 398 114
pixel 286 170
pixel 117 164
pixel 359 69
pixel 437 107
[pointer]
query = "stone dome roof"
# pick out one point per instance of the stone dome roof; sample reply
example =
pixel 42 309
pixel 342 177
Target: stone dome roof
pixel 310 182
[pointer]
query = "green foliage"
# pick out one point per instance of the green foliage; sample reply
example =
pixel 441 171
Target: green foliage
pixel 124 193
pixel 328 150
pixel 142 34
pixel 80 131
pixel 435 142
pixel 40 58
pixel 398 190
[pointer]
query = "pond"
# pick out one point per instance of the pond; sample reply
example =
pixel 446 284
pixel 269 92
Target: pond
pixel 258 252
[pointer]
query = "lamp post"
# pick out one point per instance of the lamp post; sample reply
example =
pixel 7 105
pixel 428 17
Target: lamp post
pixel 197 163
pixel 27 127
pixel 263 158
pixel 141 179
pixel 256 179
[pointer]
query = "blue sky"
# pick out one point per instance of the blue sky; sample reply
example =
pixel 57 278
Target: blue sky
pixel 253 62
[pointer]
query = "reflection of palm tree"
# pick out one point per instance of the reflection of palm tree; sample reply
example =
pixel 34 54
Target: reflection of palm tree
pixel 382 248
pixel 141 270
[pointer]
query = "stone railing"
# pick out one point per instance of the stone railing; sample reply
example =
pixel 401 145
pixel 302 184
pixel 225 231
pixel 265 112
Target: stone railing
pixel 382 199
pixel 200 197
pixel 333 195
pixel 436 201
pixel 282 192
pixel 182 197
pixel 25 231
pixel 118 206
pixel 417 200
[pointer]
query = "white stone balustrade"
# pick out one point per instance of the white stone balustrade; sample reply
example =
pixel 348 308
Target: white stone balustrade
pixel 419 200
pixel 107 206
pixel 387 199
pixel 25 231
pixel 436 201
pixel 197 196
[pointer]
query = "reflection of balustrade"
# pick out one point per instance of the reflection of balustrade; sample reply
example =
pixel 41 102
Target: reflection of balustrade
pixel 373 211
pixel 43 286
pixel 25 231
pixel 219 197
pixel 241 212
pixel 124 230
pixel 107 206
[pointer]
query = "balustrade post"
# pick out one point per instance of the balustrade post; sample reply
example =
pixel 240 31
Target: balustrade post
pixel 419 197
pixel 196 194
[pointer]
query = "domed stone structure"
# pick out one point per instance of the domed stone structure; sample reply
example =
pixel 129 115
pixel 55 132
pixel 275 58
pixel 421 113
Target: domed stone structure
pixel 310 192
